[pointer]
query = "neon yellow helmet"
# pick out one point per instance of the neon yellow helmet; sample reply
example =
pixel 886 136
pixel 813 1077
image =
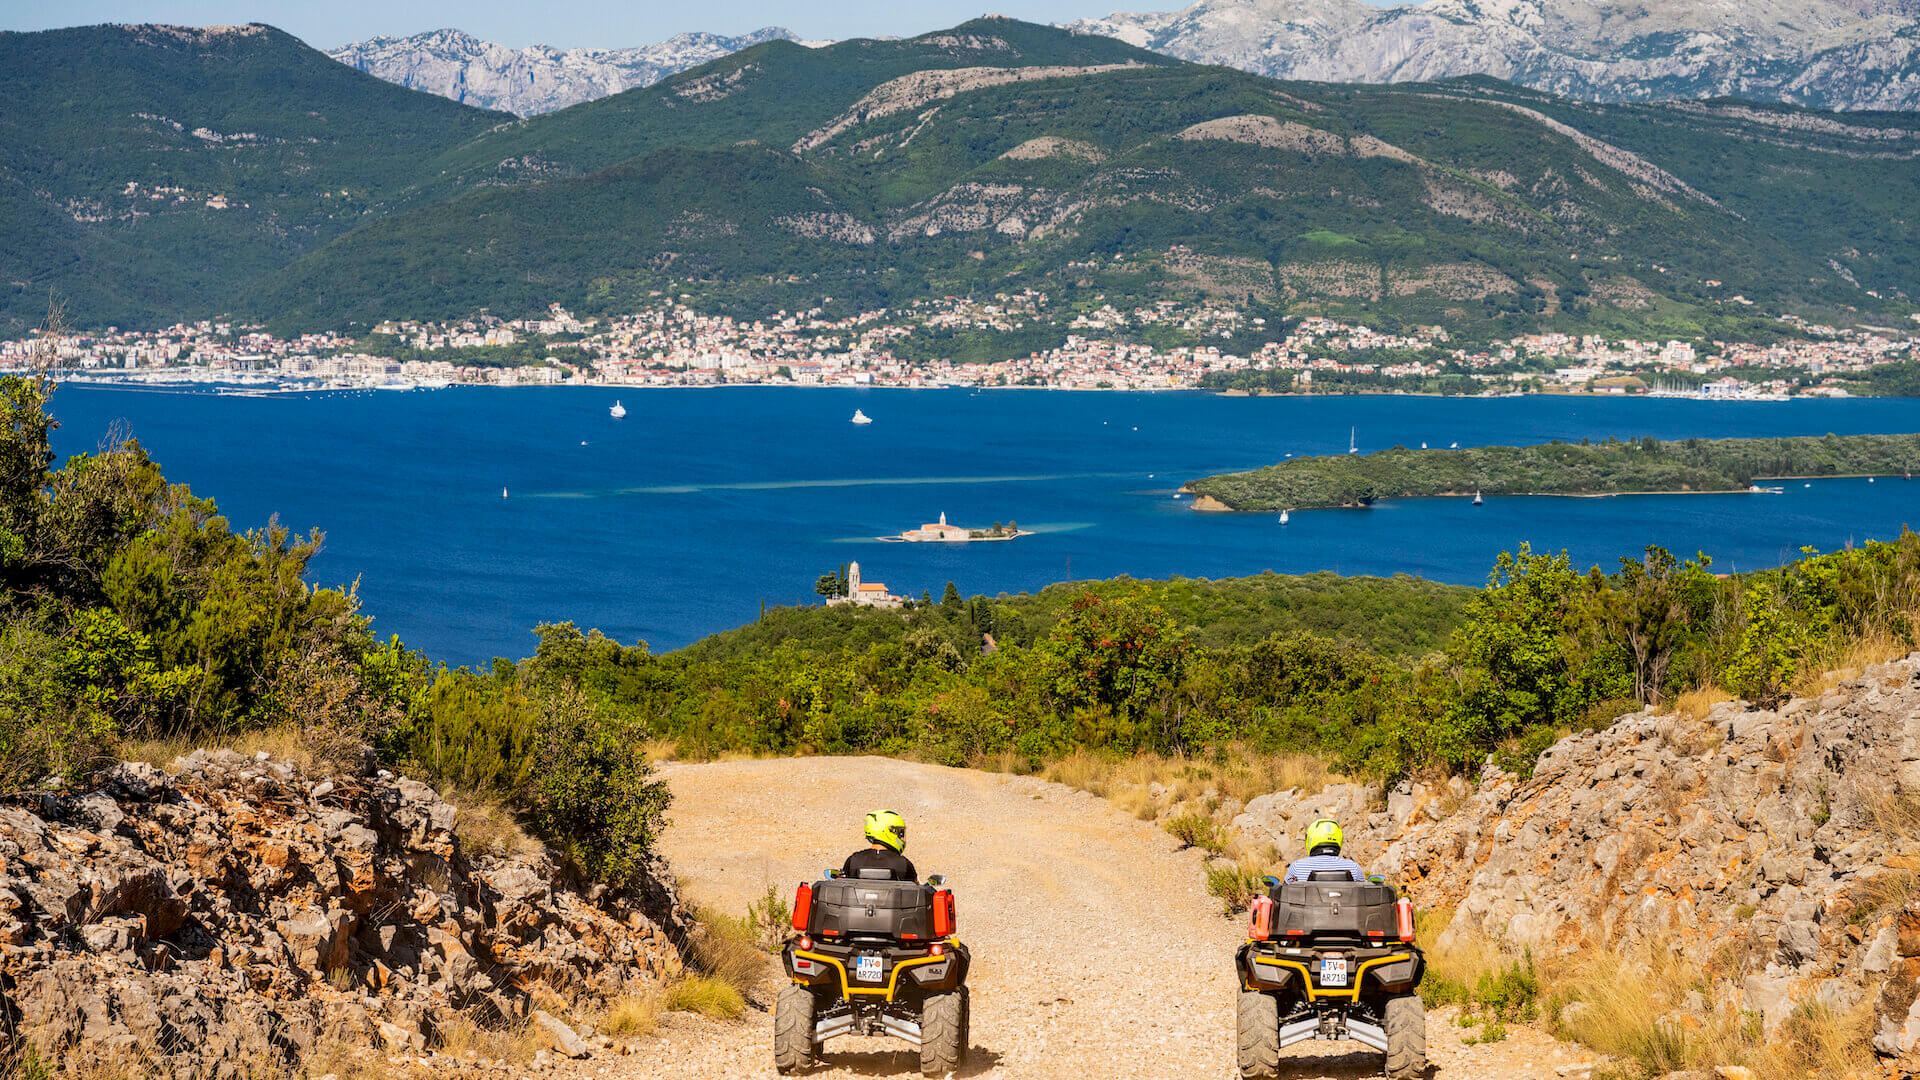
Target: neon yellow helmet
pixel 1323 832
pixel 889 828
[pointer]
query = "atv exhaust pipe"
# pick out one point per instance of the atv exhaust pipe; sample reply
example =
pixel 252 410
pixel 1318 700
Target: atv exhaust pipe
pixel 901 1029
pixel 1299 1032
pixel 1361 1031
pixel 832 1026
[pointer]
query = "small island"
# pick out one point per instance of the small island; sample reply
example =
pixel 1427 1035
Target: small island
pixel 1635 467
pixel 939 532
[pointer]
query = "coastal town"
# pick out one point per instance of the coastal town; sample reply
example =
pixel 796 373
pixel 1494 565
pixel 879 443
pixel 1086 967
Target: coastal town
pixel 1106 347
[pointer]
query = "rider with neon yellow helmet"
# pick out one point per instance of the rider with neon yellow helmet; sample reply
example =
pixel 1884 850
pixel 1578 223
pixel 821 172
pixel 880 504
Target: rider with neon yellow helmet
pixel 886 841
pixel 1323 853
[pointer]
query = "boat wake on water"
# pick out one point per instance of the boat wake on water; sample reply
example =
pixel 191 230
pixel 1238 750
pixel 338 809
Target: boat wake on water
pixel 845 482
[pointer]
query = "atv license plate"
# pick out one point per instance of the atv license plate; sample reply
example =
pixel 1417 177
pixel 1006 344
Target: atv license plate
pixel 1333 971
pixel 867 968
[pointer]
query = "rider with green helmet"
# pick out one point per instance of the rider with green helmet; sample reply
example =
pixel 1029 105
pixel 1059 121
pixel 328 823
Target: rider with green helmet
pixel 1323 854
pixel 886 840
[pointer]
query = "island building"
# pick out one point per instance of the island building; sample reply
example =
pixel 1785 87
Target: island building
pixel 938 530
pixel 865 593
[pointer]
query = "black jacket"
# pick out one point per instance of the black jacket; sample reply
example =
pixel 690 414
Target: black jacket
pixel 898 865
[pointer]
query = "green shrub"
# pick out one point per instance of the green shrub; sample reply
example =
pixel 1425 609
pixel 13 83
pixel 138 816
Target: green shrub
pixel 1197 830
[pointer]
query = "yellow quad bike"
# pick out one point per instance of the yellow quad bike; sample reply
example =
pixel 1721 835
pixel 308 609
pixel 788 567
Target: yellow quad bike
pixel 1329 959
pixel 873 956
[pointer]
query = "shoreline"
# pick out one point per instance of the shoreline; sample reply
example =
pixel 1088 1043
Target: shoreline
pixel 1210 504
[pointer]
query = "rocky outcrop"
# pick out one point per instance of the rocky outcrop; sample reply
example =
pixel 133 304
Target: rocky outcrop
pixel 538 78
pixel 229 915
pixel 1829 54
pixel 1775 847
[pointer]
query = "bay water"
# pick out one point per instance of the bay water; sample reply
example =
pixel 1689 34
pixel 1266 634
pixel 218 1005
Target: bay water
pixel 698 506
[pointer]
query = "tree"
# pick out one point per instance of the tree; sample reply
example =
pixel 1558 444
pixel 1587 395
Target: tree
pixel 1654 611
pixel 1116 655
pixel 950 602
pixel 834 584
pixel 1771 645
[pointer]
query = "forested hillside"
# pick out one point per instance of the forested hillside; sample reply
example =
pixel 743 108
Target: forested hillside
pixel 1558 468
pixel 148 172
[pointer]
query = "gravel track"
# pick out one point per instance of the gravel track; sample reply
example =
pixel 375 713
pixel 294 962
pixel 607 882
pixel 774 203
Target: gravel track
pixel 1097 950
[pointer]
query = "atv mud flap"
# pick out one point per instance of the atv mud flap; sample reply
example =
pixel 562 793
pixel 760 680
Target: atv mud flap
pixel 1361 1031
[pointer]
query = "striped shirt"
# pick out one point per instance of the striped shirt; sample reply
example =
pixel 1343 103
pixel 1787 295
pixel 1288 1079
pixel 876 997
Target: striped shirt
pixel 1301 868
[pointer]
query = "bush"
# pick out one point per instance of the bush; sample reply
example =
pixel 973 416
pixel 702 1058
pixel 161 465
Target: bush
pixel 592 790
pixel 1199 831
pixel 1236 884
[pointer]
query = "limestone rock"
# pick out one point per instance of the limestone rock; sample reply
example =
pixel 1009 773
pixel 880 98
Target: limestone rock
pixel 220 919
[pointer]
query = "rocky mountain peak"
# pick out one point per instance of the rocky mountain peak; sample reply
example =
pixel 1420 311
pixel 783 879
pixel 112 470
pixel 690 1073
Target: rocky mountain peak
pixel 539 78
pixel 1845 54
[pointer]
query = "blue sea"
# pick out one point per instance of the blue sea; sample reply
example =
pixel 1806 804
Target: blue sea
pixel 699 506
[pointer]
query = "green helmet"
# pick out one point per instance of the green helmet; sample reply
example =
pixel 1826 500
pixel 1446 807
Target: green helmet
pixel 889 828
pixel 1323 832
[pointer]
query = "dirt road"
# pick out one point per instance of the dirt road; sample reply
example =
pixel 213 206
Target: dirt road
pixel 1097 950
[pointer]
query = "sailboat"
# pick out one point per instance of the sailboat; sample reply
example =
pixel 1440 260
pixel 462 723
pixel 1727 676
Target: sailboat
pixel 861 418
pixel 1352 446
pixel 1476 499
pixel 503 493
pixel 1283 517
pixel 1423 445
pixel 618 409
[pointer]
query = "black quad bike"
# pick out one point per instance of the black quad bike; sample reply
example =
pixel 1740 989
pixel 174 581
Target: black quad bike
pixel 873 957
pixel 1330 960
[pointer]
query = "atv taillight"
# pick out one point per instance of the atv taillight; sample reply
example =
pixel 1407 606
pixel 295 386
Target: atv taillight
pixel 802 905
pixel 936 949
pixel 1404 909
pixel 806 943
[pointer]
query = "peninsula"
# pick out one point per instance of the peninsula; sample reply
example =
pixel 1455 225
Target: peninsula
pixel 1613 467
pixel 939 532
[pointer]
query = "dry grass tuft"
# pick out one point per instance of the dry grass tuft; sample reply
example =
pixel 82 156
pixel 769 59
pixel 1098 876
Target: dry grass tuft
pixel 1238 774
pixel 1696 703
pixel 285 744
pixel 633 1016
pixel 729 950
pixel 487 824
pixel 514 1043
pixel 1847 659
pixel 707 995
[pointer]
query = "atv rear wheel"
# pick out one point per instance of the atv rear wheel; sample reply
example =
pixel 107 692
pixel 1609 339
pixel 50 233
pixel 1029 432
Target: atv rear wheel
pixel 1406 1024
pixel 943 1032
pixel 1257 1019
pixel 793 1028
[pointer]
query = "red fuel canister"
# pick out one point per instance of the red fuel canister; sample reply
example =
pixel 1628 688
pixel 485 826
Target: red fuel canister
pixel 943 920
pixel 802 906
pixel 1260 918
pixel 1404 908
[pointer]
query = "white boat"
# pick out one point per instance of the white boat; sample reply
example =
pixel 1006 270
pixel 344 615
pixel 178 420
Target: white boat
pixel 861 418
pixel 392 383
pixel 1283 517
pixel 1352 446
pixel 1455 446
pixel 1423 446
pixel 618 409
pixel 503 493
pixel 1476 498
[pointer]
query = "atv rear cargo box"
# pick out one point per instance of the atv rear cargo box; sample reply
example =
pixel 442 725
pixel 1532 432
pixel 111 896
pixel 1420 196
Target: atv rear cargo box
pixel 846 907
pixel 1335 909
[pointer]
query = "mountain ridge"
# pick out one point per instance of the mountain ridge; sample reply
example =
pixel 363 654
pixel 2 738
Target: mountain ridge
pixel 1857 54
pixel 538 78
